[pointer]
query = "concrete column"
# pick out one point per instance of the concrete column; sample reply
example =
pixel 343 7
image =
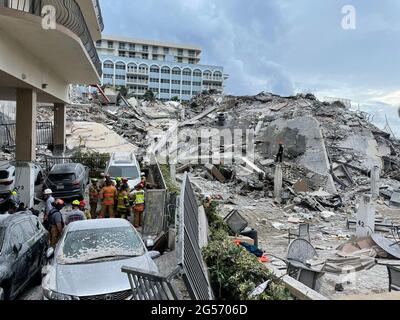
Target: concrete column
pixel 375 176
pixel 59 128
pixel 278 183
pixel 25 144
pixel 26 125
pixel 365 218
pixel 172 170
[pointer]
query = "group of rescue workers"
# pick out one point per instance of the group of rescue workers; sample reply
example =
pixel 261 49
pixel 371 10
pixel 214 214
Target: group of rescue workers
pixel 116 198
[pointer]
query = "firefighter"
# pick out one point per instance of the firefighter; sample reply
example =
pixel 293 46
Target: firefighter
pixel 126 184
pixel 86 212
pixel 94 191
pixel 138 205
pixel 76 214
pixel 118 183
pixel 108 195
pixel 123 203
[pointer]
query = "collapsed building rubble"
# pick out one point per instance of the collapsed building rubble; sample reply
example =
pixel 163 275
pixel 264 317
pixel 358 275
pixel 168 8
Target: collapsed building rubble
pixel 328 165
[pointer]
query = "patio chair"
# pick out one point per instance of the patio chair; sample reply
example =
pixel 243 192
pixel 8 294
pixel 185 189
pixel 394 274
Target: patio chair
pixel 394 278
pixel 302 232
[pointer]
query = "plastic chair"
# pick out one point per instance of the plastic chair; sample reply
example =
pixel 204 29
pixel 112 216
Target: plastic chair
pixel 302 232
pixel 394 278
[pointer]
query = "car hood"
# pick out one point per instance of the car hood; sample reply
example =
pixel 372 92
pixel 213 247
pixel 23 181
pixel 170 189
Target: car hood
pixel 133 183
pixel 98 278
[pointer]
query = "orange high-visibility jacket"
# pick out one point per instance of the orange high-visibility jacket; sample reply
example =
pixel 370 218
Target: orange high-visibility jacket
pixel 109 195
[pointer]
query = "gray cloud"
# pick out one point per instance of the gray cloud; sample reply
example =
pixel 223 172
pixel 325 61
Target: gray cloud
pixel 281 46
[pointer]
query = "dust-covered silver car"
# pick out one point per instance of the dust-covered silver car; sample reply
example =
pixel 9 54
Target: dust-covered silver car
pixel 86 264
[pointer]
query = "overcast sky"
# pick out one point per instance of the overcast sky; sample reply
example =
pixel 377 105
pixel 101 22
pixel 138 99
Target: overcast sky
pixel 281 46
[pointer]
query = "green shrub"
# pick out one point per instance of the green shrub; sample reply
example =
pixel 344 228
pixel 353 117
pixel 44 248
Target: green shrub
pixel 171 186
pixel 234 272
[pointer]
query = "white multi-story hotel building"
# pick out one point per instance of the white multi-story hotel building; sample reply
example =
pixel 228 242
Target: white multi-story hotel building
pixel 169 70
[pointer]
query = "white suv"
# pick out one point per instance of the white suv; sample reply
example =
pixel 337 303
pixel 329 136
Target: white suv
pixel 124 165
pixel 7 177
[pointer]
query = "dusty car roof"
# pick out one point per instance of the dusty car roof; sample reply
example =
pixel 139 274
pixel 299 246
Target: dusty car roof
pixel 6 219
pixel 64 168
pixel 97 224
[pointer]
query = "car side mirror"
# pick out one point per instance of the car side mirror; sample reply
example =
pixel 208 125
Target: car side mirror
pixel 154 254
pixel 50 253
pixel 17 248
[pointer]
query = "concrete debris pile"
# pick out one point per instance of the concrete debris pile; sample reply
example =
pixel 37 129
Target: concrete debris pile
pixel 332 158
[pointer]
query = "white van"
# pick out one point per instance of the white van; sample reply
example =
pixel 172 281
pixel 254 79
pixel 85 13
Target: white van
pixel 124 165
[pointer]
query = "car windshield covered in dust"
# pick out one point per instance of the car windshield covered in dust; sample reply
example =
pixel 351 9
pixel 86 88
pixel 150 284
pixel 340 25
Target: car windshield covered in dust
pixel 85 246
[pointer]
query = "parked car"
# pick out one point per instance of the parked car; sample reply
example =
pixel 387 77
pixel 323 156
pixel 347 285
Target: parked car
pixel 23 246
pixel 87 261
pixel 124 165
pixel 67 180
pixel 7 176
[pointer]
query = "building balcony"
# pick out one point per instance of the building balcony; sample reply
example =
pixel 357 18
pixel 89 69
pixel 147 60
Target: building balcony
pixel 49 60
pixel 137 81
pixel 213 79
pixel 140 72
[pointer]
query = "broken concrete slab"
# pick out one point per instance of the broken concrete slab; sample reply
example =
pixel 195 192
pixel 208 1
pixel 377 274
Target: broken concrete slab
pixel 213 170
pixel 395 199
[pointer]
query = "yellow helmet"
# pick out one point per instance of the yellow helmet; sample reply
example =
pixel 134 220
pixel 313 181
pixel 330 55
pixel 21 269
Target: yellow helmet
pixel 118 179
pixel 76 203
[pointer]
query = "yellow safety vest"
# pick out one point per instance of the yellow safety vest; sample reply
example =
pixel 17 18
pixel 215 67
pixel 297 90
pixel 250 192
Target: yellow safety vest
pixel 139 197
pixel 121 200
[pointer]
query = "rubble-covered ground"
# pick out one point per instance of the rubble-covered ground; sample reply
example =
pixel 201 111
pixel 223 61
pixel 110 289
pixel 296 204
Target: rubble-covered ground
pixel 329 152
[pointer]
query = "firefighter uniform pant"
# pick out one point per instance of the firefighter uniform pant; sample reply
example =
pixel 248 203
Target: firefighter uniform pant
pixel 107 210
pixel 138 215
pixel 93 209
pixel 123 213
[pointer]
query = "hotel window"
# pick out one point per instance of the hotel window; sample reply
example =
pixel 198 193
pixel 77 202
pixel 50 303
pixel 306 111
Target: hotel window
pixel 176 81
pixel 187 72
pixel 132 46
pixel 191 61
pixel 145 48
pixel 166 50
pixel 132 55
pixel 197 73
pixel 121 53
pixel 155 57
pixel 110 44
pixel 155 90
pixel 108 65
pixel 179 60
pixel 186 83
pixel 165 81
pixel 120 77
pixel 154 70
pixel 176 71
pixel 164 90
pixel 175 91
pixel 154 80
pixel 122 45
pixel 145 56
pixel 197 84
pixel 191 53
pixel 108 76
pixel 180 52
pixel 155 49
pixel 186 92
pixel 98 43
pixel 165 70
pixel 195 92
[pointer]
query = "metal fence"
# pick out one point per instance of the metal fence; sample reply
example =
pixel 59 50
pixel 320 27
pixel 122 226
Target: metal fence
pixel 188 249
pixel 44 134
pixel 68 14
pixel 94 163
